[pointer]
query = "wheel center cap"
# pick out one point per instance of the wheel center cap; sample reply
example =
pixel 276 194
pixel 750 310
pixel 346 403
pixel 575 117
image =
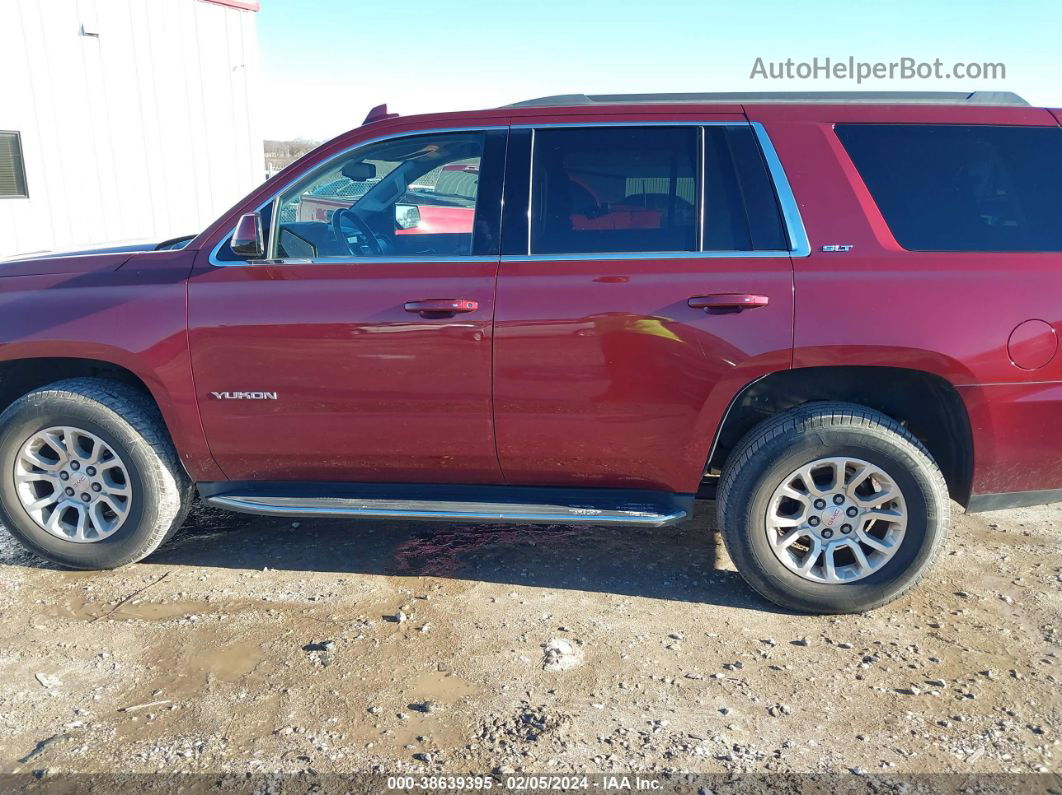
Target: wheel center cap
pixel 78 480
pixel 832 516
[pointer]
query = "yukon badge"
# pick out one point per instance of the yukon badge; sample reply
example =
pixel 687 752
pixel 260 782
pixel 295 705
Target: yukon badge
pixel 245 395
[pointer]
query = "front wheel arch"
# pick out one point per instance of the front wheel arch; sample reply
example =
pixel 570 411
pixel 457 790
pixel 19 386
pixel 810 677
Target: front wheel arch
pixel 128 423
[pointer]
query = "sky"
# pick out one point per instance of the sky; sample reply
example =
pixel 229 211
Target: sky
pixel 325 63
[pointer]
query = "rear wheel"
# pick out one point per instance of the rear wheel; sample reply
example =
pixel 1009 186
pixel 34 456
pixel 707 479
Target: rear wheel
pixel 88 476
pixel 832 508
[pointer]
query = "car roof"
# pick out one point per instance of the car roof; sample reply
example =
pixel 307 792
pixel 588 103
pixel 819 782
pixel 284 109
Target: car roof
pixel 794 97
pixel 984 107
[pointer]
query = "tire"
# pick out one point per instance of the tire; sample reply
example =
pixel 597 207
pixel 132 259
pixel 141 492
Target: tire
pixel 753 499
pixel 158 489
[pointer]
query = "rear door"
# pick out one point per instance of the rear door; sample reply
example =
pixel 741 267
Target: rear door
pixel 655 280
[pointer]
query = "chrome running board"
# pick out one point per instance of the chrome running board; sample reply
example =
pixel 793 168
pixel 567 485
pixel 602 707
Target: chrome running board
pixel 442 510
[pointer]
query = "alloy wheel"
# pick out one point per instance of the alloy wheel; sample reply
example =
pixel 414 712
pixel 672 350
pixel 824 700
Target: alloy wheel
pixel 836 520
pixel 73 484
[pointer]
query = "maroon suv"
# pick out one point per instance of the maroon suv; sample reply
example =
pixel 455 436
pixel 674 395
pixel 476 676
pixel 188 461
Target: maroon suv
pixel 835 313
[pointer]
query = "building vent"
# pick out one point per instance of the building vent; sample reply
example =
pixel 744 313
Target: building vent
pixel 12 169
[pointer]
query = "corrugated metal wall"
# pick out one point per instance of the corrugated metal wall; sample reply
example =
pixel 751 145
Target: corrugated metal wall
pixel 137 118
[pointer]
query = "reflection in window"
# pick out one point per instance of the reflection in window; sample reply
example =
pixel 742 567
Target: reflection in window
pixel 963 187
pixel 413 196
pixel 636 189
pixel 614 190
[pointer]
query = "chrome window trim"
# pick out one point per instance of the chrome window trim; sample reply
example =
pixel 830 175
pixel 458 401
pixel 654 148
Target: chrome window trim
pixel 799 245
pixel 791 217
pixel 631 255
pixel 702 140
pixel 355 261
pixel 576 124
pixel 530 189
pixel 213 259
pixel 794 224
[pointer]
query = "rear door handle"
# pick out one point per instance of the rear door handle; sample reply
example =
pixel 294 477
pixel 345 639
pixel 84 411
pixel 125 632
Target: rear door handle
pixel 731 301
pixel 438 307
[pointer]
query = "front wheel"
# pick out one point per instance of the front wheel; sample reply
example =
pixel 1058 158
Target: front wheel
pixel 832 508
pixel 88 476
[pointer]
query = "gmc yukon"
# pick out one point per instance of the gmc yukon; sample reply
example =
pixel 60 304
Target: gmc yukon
pixel 836 314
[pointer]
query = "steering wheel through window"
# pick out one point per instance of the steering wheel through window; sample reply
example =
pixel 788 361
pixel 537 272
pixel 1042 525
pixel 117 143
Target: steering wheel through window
pixel 355 236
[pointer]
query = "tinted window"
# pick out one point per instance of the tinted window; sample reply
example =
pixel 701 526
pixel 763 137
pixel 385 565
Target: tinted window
pixel 963 188
pixel 757 198
pixel 616 190
pixel 517 187
pixel 413 196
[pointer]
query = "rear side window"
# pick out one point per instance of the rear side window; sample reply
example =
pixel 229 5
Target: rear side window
pixel 963 187
pixel 638 189
pixel 614 189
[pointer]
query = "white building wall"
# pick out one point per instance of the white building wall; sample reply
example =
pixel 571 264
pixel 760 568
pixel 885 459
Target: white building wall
pixel 144 130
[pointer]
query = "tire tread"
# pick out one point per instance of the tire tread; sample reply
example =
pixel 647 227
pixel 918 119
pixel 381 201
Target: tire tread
pixel 170 482
pixel 806 419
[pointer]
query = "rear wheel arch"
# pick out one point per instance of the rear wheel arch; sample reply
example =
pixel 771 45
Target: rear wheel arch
pixel 926 404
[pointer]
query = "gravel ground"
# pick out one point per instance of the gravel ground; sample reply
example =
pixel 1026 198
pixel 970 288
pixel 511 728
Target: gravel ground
pixel 260 645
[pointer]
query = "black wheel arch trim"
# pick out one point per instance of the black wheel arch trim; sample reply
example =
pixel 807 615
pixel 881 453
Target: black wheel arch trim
pixel 956 461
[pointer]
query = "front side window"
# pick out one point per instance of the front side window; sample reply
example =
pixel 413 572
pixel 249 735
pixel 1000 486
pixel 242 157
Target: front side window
pixel 406 197
pixel 962 187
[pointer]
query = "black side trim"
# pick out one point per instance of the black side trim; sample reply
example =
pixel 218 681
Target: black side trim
pixel 1012 499
pixel 517 189
pixel 604 499
pixel 486 238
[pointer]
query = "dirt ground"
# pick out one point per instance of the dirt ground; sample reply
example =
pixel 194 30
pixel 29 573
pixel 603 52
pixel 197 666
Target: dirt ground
pixel 265 645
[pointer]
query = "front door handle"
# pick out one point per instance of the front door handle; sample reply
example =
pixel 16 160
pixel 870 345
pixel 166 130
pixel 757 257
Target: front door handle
pixel 733 302
pixel 439 307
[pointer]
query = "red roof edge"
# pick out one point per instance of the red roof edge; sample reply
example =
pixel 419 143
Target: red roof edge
pixel 243 5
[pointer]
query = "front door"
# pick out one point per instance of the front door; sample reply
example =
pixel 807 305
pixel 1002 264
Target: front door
pixel 658 282
pixel 359 349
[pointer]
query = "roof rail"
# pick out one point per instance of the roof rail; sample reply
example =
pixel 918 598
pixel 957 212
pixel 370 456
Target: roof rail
pixel 825 97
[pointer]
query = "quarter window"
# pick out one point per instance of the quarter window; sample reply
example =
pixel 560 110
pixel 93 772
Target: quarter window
pixel 741 209
pixel 963 187
pixel 12 167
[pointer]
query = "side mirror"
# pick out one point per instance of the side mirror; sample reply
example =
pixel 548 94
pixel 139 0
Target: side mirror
pixel 248 240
